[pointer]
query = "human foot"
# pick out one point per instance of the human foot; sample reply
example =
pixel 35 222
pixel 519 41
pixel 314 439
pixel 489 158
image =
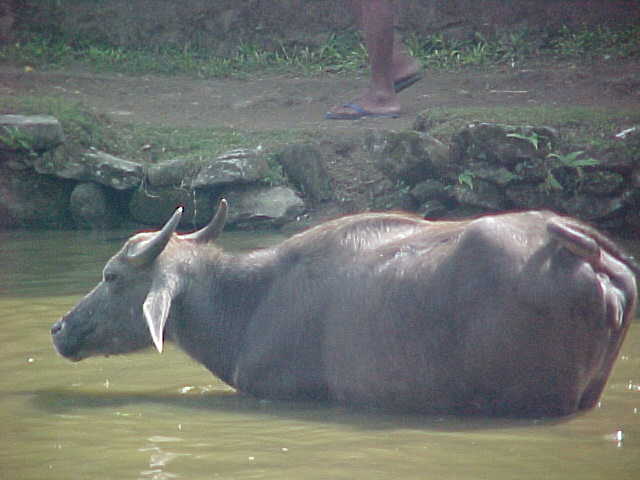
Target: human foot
pixel 367 105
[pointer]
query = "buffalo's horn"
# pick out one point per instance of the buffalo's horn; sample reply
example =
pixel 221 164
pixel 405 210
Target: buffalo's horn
pixel 214 228
pixel 148 251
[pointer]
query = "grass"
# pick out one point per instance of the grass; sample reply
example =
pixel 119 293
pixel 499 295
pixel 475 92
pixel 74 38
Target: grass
pixel 581 128
pixel 85 129
pixel 597 42
pixel 81 126
pixel 339 53
pixel 438 52
pixel 516 47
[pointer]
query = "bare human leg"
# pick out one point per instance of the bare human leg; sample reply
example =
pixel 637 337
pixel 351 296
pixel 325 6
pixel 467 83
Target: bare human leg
pixel 391 68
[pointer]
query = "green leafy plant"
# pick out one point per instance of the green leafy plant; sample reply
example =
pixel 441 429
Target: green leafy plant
pixel 275 176
pixel 466 178
pixel 550 182
pixel 17 139
pixel 570 160
pixel 533 138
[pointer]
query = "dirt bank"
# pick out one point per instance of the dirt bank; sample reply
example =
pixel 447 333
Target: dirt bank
pixel 273 102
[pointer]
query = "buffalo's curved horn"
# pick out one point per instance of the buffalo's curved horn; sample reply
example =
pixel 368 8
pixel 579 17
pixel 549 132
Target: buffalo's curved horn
pixel 214 228
pixel 148 251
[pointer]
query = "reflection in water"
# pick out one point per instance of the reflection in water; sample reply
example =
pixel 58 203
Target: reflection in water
pixel 160 458
pixel 151 416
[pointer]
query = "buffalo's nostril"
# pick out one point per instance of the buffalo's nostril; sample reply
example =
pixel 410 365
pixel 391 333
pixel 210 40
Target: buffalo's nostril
pixel 57 327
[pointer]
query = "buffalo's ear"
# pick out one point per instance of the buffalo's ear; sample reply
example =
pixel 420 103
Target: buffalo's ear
pixel 157 305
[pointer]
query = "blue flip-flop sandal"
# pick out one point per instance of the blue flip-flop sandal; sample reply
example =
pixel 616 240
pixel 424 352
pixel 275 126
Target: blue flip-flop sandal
pixel 358 112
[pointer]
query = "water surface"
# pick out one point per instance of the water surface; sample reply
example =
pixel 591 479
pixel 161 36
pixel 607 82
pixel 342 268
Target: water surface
pixel 151 416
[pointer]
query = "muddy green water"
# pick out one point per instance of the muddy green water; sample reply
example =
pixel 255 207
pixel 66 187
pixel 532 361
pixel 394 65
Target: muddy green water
pixel 151 416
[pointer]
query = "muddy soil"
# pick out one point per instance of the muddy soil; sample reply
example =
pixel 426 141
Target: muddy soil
pixel 266 102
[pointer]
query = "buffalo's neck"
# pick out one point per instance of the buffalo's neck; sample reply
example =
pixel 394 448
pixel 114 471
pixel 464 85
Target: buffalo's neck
pixel 222 292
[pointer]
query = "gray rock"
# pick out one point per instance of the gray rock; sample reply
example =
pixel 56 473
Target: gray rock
pixel 16 160
pixel 464 211
pixel 433 209
pixel 635 177
pixel 91 207
pixel 531 170
pixel 483 194
pixel 584 206
pixel 153 206
pixel 427 190
pixel 531 196
pixel 409 156
pixel 600 182
pixel 259 206
pixel 504 145
pixel 632 218
pixel 30 133
pixel 624 154
pixel 394 200
pixel 236 166
pixel 112 171
pixel 93 166
pixel 304 165
pixel 174 172
pixel 31 200
pixel 497 175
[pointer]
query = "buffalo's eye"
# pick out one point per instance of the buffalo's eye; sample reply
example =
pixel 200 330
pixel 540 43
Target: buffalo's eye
pixel 110 277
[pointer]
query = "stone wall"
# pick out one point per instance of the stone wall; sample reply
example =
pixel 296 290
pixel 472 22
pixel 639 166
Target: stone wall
pixel 47 187
pixel 484 168
pixel 492 167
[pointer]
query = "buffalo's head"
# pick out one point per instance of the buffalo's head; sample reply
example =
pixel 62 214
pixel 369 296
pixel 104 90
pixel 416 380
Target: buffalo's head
pixel 128 309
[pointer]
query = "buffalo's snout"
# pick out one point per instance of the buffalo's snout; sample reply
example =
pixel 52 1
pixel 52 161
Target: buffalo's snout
pixel 57 327
pixel 58 336
pixel 65 345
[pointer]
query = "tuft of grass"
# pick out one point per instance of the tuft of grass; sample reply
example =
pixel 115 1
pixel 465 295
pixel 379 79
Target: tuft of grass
pixel 594 42
pixel 583 127
pixel 157 143
pixel 339 53
pixel 81 126
pixel 586 44
pixel 17 139
pixel 141 143
pixel 439 52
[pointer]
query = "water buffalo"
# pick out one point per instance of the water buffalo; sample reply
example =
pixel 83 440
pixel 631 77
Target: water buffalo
pixel 514 314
